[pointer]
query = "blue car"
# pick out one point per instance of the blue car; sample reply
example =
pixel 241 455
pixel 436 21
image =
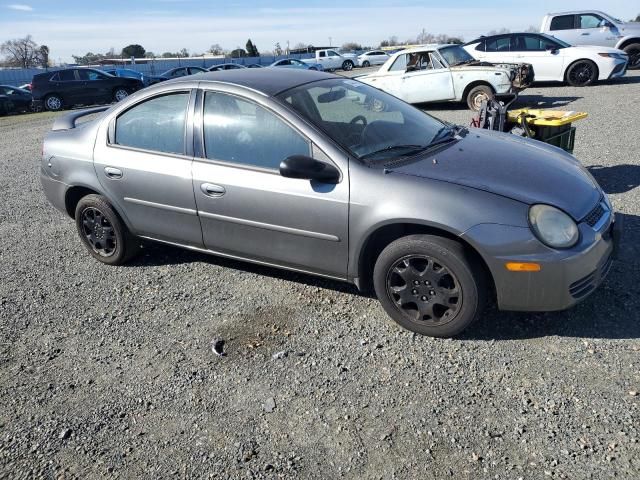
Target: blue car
pixel 294 63
pixel 127 73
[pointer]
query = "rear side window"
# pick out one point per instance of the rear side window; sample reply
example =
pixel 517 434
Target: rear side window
pixel 562 22
pixel 500 44
pixel 66 76
pixel 157 124
pixel 480 47
pixel 242 132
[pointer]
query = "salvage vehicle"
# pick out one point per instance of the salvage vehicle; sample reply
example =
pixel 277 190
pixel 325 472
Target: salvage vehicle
pixel 372 57
pixel 225 66
pixel 79 86
pixel 553 60
pixel 294 63
pixel 18 100
pixel 176 72
pixel 128 73
pixel 317 173
pixel 592 27
pixel 332 60
pixel 435 73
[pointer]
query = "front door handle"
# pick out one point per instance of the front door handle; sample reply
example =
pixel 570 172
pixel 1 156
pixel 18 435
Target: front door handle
pixel 211 190
pixel 585 33
pixel 114 173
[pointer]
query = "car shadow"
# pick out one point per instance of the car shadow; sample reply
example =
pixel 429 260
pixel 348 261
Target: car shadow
pixel 542 101
pixel 616 178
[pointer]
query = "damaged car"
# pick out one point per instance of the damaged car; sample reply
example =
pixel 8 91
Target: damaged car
pixel 436 73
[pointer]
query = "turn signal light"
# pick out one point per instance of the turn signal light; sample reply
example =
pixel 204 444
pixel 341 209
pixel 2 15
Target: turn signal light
pixel 523 267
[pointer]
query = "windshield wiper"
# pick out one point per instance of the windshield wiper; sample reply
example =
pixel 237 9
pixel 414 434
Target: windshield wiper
pixel 411 150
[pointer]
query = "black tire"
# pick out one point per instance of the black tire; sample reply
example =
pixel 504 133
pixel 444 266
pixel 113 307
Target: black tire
pixel 366 64
pixel 119 94
pixel 633 50
pixel 103 232
pixel 53 103
pixel 447 294
pixel 313 68
pixel 477 95
pixel 347 65
pixel 581 73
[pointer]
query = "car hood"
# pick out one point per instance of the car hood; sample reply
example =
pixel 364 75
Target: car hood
pixel 592 49
pixel 629 27
pixel 521 169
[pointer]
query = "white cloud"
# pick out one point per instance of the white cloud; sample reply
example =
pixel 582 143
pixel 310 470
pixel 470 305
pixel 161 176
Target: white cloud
pixel 20 7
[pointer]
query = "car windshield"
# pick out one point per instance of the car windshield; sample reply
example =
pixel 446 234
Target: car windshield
pixel 456 55
pixel 560 43
pixel 370 124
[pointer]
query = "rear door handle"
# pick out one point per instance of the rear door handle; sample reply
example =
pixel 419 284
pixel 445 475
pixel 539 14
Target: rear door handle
pixel 112 172
pixel 211 190
pixel 585 33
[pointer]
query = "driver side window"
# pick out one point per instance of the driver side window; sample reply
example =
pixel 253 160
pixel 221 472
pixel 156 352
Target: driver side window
pixel 589 21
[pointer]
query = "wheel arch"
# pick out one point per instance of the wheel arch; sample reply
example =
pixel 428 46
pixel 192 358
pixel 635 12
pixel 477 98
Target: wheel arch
pixel 474 84
pixel 76 192
pixel 383 235
pixel 627 41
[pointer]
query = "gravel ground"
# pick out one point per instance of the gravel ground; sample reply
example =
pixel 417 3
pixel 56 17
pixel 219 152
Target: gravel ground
pixel 108 372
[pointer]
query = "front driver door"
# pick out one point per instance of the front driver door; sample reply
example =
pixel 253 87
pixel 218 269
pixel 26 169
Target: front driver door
pixel 145 167
pixel 247 209
pixel 429 81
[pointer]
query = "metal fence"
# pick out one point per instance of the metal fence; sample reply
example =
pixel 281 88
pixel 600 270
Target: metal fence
pixel 17 77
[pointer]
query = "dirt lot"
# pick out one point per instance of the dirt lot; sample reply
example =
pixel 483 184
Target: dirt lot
pixel 107 372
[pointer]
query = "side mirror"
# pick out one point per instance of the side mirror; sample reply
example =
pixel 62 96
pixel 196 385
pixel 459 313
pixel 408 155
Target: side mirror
pixel 301 166
pixel 551 49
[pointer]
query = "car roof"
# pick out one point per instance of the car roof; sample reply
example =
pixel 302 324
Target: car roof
pixel 269 81
pixel 428 46
pixel 576 12
pixel 498 35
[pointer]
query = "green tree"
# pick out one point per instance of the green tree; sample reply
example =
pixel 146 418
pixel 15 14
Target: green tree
pixel 252 50
pixel 238 53
pixel 351 46
pixel 133 50
pixel 43 54
pixel 183 53
pixel 88 58
pixel 216 49
pixel 637 19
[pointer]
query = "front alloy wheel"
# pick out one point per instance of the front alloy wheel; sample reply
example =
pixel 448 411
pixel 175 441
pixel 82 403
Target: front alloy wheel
pixel 430 285
pixel 582 73
pixel 120 94
pixel 53 103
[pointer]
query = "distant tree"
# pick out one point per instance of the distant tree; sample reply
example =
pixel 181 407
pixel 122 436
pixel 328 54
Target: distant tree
pixel 531 29
pixel 252 50
pixel 277 50
pixel 300 46
pixel 43 56
pixel 637 18
pixel 351 46
pixel 216 49
pixel 499 32
pixel 183 53
pixel 169 55
pixel 21 52
pixel 393 40
pixel 89 58
pixel 238 53
pixel 133 50
pixel 149 55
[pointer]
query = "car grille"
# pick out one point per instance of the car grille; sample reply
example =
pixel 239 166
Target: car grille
pixel 594 216
pixel 586 285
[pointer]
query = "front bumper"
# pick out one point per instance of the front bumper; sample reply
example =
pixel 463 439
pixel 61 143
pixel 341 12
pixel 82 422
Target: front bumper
pixel 619 69
pixel 566 277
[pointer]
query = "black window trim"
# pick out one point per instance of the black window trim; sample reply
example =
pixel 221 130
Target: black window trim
pixel 188 129
pixel 575 22
pixel 198 137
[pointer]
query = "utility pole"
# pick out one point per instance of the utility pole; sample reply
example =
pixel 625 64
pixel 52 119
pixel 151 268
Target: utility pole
pixel 329 41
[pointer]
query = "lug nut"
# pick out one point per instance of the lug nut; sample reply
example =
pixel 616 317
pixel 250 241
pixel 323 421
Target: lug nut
pixel 414 291
pixel 431 292
pixel 427 282
pixel 416 282
pixel 424 298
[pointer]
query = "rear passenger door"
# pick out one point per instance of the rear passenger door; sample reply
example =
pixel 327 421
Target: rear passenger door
pixel 496 50
pixel 247 209
pixel 145 167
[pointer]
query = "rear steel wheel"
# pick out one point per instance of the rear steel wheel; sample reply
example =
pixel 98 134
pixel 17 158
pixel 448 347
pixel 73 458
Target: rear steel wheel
pixel 53 103
pixel 103 232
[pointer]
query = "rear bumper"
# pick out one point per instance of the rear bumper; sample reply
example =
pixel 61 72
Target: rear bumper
pixel 54 190
pixel 566 277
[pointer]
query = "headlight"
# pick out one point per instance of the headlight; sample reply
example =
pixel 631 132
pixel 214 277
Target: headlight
pixel 619 56
pixel 553 227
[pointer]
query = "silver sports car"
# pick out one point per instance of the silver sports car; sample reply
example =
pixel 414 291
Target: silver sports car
pixel 317 173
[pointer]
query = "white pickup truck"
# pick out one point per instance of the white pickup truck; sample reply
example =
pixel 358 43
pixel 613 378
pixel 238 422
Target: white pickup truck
pixel 332 60
pixel 592 27
pixel 436 73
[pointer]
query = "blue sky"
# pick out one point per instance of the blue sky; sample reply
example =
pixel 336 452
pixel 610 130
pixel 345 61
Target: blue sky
pixel 75 27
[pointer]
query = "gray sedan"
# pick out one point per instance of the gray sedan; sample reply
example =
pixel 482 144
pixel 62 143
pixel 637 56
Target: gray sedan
pixel 316 173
